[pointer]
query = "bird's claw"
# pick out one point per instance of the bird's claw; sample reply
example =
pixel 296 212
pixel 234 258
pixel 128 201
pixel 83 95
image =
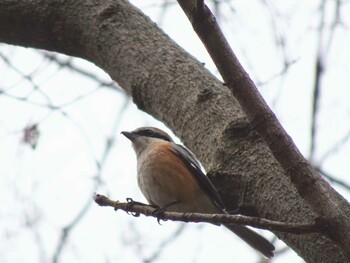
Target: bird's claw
pixel 129 206
pixel 159 211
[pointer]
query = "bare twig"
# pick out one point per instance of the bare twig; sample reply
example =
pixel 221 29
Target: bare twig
pixel 65 231
pixel 336 147
pixel 315 99
pixel 27 77
pixel 333 180
pixel 67 63
pixel 324 46
pixel 156 254
pixel 261 223
pixel 319 71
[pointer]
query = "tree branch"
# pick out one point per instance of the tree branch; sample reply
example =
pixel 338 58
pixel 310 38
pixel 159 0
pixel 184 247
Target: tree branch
pixel 256 222
pixel 173 87
pixel 312 187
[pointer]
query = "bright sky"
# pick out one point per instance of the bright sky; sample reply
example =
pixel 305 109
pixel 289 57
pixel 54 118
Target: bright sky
pixel 47 187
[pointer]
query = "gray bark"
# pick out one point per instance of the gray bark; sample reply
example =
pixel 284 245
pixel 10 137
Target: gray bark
pixel 172 86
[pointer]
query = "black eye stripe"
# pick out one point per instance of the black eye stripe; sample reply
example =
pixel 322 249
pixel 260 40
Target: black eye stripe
pixel 150 133
pixel 165 138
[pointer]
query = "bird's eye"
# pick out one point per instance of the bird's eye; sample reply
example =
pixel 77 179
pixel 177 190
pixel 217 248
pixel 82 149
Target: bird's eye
pixel 148 133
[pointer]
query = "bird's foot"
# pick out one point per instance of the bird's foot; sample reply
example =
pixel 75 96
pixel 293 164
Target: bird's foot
pixel 159 211
pixel 130 204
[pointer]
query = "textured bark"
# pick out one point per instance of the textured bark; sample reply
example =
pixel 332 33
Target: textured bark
pixel 173 87
pixel 323 199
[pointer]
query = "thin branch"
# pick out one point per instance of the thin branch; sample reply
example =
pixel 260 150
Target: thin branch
pixel 333 180
pixel 315 101
pixel 110 141
pixel 286 66
pixel 67 63
pixel 319 70
pixel 28 78
pixel 146 210
pixel 155 255
pixel 309 184
pixel 324 47
pixel 341 142
pixel 164 7
pixel 65 232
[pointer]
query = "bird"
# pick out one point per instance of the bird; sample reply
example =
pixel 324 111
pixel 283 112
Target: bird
pixel 170 177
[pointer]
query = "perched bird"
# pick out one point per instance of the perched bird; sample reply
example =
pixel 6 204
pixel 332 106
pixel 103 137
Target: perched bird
pixel 170 177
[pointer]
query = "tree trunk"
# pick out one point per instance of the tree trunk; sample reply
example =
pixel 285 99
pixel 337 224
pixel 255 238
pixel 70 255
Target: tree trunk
pixel 172 86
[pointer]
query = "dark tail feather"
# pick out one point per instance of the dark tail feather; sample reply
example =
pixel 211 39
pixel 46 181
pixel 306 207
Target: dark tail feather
pixel 253 239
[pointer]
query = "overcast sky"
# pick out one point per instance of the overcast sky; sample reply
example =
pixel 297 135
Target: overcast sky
pixel 42 190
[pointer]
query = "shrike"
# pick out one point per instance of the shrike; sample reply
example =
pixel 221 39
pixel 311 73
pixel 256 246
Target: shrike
pixel 168 173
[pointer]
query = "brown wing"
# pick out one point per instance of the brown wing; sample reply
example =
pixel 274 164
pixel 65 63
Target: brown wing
pixel 193 165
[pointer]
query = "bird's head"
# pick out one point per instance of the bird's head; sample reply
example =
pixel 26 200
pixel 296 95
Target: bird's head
pixel 142 137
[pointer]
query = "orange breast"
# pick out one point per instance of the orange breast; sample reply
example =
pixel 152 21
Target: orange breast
pixel 164 178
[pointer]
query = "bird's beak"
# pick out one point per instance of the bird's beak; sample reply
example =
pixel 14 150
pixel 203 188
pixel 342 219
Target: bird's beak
pixel 130 135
